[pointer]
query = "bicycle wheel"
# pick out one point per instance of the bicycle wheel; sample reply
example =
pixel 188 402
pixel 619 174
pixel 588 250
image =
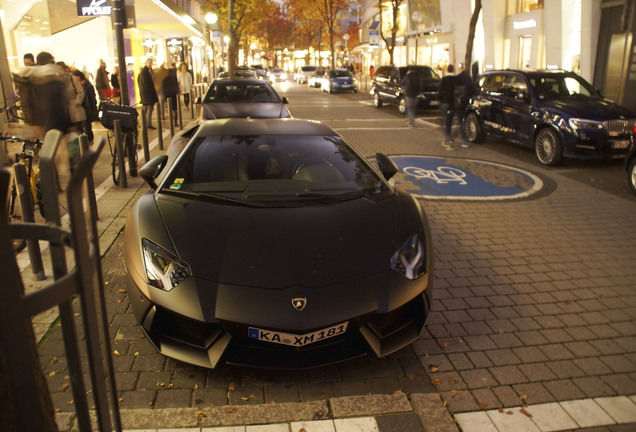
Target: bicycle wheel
pixel 115 166
pixel 15 215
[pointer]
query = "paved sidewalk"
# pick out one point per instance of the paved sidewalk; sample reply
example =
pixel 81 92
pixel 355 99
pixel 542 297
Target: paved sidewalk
pixel 534 308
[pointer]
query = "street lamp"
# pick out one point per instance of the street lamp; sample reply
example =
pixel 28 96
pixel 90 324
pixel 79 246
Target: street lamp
pixel 346 39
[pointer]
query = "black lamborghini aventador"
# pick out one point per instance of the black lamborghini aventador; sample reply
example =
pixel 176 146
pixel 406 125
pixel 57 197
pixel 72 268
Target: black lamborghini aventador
pixel 273 243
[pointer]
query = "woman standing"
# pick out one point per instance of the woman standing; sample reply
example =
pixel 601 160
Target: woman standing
pixel 90 105
pixel 114 82
pixel 185 83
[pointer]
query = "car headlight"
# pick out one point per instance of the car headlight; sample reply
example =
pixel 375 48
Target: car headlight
pixel 578 124
pixel 163 269
pixel 410 258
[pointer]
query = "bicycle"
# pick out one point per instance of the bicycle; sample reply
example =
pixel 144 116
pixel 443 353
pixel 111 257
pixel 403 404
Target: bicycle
pixel 28 153
pixel 109 111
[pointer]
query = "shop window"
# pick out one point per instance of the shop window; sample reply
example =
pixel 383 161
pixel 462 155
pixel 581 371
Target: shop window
pixel 529 5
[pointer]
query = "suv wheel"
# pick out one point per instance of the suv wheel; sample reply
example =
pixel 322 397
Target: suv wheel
pixel 376 100
pixel 631 175
pixel 473 129
pixel 402 105
pixel 547 147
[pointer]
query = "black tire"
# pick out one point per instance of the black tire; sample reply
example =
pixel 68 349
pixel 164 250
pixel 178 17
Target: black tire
pixel 39 198
pixel 631 175
pixel 402 105
pixel 377 101
pixel 115 166
pixel 547 147
pixel 472 129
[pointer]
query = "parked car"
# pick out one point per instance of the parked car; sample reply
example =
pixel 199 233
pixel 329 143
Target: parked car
pixel 338 80
pixel 314 79
pixel 242 97
pixel 557 113
pixel 262 72
pixel 630 163
pixel 303 73
pixel 386 87
pixel 278 74
pixel 273 243
pixel 240 72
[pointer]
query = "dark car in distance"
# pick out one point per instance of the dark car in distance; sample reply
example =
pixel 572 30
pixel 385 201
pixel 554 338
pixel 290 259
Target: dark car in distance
pixel 338 80
pixel 557 113
pixel 243 97
pixel 387 88
pixel 274 243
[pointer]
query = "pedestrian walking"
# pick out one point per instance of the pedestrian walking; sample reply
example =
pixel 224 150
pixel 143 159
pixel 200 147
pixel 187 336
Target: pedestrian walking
pixel 102 81
pixel 446 97
pixel 90 105
pixel 114 83
pixel 158 76
pixel 185 83
pixel 28 59
pixel 147 91
pixel 171 90
pixel 74 97
pixel 411 85
pixel 371 71
pixel 42 93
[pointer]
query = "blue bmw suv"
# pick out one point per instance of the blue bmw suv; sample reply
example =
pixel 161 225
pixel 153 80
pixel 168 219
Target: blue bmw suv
pixel 557 113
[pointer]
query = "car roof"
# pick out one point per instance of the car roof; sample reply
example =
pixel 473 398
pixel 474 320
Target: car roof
pixel 270 126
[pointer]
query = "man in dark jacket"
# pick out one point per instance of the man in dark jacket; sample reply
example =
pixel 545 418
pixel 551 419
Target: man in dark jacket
pixel 411 85
pixel 90 105
pixel 147 92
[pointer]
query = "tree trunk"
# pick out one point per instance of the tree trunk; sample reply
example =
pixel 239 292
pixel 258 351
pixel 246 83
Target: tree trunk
pixel 471 34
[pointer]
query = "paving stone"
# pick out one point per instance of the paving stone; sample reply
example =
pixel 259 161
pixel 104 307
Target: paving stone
pixel 190 377
pixel 564 390
pixel 206 397
pixel 556 352
pixel 536 393
pixel 565 369
pixel 281 393
pixel 618 364
pixel 607 346
pixel 460 361
pixel 507 396
pixel 479 359
pixel 537 372
pixel 531 337
pixel 429 407
pixel 154 380
pixel 459 401
pixel 620 408
pixel 620 383
pixel 586 413
pixel 399 423
pixel 506 375
pixel 556 335
pixel 486 399
pixel 348 388
pixel 148 363
pixel 592 366
pixel 503 357
pixel 593 386
pixel 315 391
pixel 581 349
pixel 480 342
pixel 506 340
pixel 478 378
pixel 382 385
pixel 137 399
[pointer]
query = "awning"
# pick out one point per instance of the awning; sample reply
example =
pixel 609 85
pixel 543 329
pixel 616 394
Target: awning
pixel 161 20
pixel 374 25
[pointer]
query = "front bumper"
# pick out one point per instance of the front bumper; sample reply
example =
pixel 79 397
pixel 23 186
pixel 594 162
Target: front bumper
pixel 223 339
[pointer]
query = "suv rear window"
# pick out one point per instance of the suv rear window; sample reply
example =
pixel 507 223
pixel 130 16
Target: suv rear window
pixel 309 68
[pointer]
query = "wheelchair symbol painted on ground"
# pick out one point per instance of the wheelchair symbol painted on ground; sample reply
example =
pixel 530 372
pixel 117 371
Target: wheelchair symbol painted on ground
pixel 463 179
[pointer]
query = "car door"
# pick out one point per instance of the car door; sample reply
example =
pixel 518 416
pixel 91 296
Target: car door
pixel 518 121
pixel 489 102
pixel 381 82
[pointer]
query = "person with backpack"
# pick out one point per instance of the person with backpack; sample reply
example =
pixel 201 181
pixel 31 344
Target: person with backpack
pixel 90 105
pixel 411 85
pixel 454 96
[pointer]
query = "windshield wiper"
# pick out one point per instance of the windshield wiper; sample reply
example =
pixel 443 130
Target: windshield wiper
pixel 346 196
pixel 214 197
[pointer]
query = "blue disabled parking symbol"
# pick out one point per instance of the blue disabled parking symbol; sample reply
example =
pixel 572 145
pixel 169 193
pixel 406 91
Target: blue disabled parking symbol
pixel 463 179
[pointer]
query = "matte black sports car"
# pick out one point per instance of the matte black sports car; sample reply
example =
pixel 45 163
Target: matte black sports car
pixel 243 97
pixel 273 243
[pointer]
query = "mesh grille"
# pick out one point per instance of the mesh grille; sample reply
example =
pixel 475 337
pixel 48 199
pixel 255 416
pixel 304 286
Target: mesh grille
pixel 619 127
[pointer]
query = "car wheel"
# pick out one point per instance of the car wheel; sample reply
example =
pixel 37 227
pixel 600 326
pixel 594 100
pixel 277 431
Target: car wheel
pixel 376 100
pixel 631 175
pixel 474 134
pixel 402 105
pixel 547 147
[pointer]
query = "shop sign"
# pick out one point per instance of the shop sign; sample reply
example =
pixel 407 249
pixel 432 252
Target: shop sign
pixel 520 25
pixel 374 37
pixel 93 8
pixel 174 42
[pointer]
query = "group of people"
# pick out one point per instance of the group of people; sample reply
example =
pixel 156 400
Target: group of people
pixel 161 85
pixel 454 95
pixel 54 96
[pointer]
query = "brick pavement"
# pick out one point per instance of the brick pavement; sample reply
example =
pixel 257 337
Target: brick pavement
pixel 534 302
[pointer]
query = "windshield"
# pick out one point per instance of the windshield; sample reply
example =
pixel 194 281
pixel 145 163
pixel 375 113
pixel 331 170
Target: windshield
pixel 308 68
pixel 274 168
pixel 234 91
pixel 555 86
pixel 339 73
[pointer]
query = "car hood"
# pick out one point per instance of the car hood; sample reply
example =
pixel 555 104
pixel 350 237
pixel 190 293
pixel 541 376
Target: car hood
pixel 245 110
pixel 275 248
pixel 590 108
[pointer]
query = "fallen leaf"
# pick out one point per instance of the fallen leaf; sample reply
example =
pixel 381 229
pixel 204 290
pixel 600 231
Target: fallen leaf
pixel 65 386
pixel 121 290
pixel 501 331
pixel 70 402
pixel 445 403
pixel 460 341
pixel 57 410
pixel 245 398
pixel 482 405
pixel 170 385
pixel 411 376
pixel 52 373
pixel 199 412
pixel 500 409
pixel 302 430
pixel 452 381
pixel 524 411
pixel 509 412
pixel 436 381
pixel 454 392
pixel 434 369
pixel 523 398
pixel 137 354
pixel 116 352
pixel 231 387
pixel 160 384
pixel 398 392
pixel 444 344
pixel 196 386
pixel 230 409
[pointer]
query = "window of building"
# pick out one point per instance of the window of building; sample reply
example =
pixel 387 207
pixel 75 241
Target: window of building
pixel 519 6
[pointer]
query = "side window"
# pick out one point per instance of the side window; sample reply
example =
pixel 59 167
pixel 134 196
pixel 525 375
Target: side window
pixel 395 75
pixel 493 84
pixel 514 85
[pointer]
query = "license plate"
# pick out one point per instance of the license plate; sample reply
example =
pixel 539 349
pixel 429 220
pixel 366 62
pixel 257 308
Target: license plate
pixel 294 339
pixel 620 144
pixel 434 102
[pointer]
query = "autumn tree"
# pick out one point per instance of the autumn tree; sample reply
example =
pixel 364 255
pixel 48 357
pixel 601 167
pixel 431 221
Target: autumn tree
pixel 309 23
pixel 471 34
pixel 332 11
pixel 393 26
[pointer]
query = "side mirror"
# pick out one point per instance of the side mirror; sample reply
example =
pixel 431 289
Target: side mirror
pixel 285 100
pixel 522 95
pixel 388 168
pixel 151 169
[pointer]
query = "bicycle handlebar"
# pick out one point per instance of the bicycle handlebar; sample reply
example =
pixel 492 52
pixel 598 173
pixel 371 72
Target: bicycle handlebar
pixel 36 142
